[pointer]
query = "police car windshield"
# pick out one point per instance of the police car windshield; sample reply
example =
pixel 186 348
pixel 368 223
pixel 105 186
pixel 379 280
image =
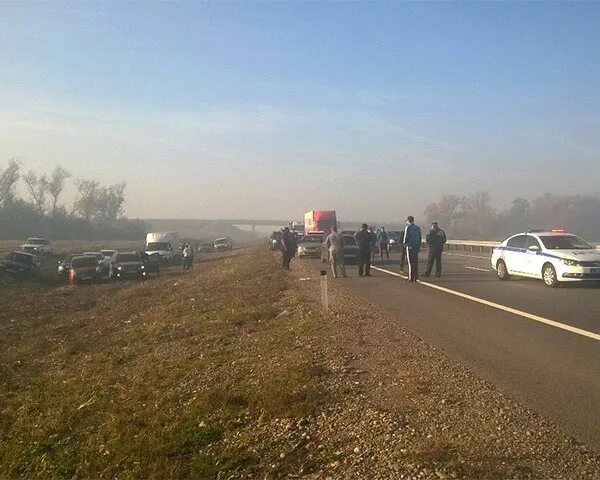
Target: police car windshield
pixel 564 242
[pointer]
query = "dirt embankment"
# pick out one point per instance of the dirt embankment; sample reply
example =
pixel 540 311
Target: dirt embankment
pixel 232 371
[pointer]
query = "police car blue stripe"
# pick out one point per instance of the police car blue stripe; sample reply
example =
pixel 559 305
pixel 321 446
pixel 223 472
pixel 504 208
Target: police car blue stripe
pixel 524 250
pixel 548 255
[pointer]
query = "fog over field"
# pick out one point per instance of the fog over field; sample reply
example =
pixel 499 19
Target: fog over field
pixel 267 111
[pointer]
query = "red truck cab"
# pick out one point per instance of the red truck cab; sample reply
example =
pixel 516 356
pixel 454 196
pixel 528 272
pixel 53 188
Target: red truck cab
pixel 319 221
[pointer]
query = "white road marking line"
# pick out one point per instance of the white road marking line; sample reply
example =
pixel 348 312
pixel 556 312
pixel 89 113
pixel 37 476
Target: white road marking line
pixel 514 311
pixel 479 269
pixel 466 255
pixel 390 272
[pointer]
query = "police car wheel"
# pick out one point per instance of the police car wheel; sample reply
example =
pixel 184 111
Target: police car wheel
pixel 549 276
pixel 502 271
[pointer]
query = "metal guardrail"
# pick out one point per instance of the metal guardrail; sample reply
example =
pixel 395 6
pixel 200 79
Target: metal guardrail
pixel 471 246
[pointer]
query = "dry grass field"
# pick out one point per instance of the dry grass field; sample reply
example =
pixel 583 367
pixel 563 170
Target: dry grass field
pixel 139 379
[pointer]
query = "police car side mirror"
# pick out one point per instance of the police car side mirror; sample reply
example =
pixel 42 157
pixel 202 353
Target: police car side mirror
pixel 534 248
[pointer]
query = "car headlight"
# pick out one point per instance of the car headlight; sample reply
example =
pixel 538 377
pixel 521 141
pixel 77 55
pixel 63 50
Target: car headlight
pixel 61 268
pixel 571 263
pixel 142 267
pixel 119 268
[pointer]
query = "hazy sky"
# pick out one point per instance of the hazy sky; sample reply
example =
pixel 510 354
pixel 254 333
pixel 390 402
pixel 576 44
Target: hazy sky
pixel 269 110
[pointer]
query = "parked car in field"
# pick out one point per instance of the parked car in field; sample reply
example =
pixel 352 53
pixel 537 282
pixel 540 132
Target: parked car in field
pixel 37 245
pixel 85 269
pixel 206 247
pixel 222 244
pixel 108 254
pixel 102 261
pixel 151 263
pixel 127 264
pixel 65 265
pixel 21 264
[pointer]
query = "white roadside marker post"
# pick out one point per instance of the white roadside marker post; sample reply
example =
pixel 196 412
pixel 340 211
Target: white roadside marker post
pixel 324 297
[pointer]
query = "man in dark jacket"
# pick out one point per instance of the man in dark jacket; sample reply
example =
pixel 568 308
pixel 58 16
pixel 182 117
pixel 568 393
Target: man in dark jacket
pixel 364 240
pixel 288 248
pixel 412 244
pixel 436 239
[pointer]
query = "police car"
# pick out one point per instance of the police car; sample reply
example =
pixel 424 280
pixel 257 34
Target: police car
pixel 553 256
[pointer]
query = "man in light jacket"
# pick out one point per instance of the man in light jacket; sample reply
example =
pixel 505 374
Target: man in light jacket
pixel 188 256
pixel 335 246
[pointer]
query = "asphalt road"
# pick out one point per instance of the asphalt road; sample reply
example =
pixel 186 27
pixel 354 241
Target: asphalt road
pixel 554 372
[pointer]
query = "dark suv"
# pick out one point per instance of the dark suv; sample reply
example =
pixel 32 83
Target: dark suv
pixel 22 264
pixel 127 264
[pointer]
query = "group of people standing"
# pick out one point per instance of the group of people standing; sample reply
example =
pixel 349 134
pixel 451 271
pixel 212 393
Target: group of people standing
pixel 370 242
pixel 367 242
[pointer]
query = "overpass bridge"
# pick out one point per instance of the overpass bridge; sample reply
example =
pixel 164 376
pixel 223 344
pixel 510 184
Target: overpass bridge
pixel 276 223
pixel 253 223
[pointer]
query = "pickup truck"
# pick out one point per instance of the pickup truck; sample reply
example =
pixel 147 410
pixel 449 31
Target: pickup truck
pixel 37 245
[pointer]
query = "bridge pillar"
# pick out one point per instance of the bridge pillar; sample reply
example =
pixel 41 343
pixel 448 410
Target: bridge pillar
pixel 253 228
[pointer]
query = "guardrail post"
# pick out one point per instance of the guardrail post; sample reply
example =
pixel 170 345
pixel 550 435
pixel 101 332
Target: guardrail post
pixel 324 296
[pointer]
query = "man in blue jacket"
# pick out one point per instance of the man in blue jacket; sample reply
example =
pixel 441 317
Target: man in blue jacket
pixel 412 244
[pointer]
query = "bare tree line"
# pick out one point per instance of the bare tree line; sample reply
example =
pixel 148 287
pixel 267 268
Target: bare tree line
pixel 96 211
pixel 475 217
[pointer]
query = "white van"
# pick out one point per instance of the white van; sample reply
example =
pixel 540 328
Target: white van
pixel 165 245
